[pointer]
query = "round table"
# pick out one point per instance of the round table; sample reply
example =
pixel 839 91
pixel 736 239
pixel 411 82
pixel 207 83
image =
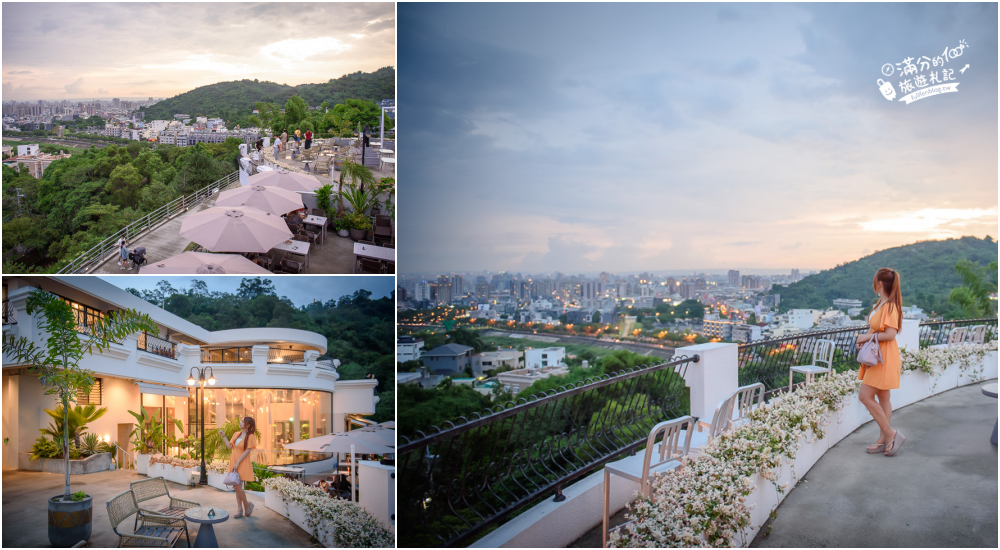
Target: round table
pixel 264 169
pixel 991 391
pixel 206 533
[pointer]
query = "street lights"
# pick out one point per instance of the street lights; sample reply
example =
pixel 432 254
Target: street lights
pixel 201 380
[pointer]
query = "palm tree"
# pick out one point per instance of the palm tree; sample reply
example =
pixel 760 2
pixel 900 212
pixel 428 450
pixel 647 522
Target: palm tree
pixel 78 418
pixel 57 361
pixel 355 174
pixel 977 285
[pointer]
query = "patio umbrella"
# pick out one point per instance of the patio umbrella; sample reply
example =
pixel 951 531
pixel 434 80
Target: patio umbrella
pixel 204 264
pixel 342 442
pixel 291 181
pixel 224 229
pixel 375 434
pixel 391 424
pixel 267 199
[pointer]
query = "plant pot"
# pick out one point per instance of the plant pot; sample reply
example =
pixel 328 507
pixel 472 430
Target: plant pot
pixel 358 234
pixel 142 462
pixel 337 165
pixel 69 522
pixel 344 233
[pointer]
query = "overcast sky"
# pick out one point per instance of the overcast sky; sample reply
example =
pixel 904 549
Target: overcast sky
pixel 647 137
pixel 98 50
pixel 300 290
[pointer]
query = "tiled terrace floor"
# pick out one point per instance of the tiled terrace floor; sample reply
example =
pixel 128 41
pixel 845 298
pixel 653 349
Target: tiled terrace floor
pixel 940 490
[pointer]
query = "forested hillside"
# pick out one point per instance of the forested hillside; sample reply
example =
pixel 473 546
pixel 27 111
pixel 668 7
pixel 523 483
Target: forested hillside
pixel 927 269
pixel 83 199
pixel 360 331
pixel 234 101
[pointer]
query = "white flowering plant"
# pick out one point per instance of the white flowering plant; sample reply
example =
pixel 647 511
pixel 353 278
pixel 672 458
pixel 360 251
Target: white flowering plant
pixel 349 525
pixel 174 461
pixel 217 467
pixel 932 359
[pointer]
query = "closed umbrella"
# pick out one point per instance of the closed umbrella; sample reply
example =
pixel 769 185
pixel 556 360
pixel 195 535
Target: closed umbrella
pixel 291 181
pixel 225 229
pixel 266 199
pixel 204 263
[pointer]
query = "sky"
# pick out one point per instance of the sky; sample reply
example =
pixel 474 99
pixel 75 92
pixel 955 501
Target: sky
pixel 582 138
pixel 300 290
pixel 98 50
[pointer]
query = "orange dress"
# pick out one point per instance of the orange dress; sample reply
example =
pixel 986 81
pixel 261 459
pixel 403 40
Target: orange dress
pixel 885 375
pixel 246 468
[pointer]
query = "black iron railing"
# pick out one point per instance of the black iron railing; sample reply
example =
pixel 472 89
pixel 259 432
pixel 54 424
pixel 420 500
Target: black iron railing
pixel 475 473
pixel 937 332
pixel 157 346
pixel 278 355
pixel 242 354
pixel 768 361
pixel 9 313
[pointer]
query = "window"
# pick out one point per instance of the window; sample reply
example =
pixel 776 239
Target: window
pixel 92 398
pixel 86 316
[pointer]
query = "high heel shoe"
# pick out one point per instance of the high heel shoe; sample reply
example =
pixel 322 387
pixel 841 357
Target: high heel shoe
pixel 875 448
pixel 897 442
pixel 250 511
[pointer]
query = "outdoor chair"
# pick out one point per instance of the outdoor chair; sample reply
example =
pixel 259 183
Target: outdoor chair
pixel 389 245
pixel 389 267
pixel 977 334
pixel 822 353
pixel 322 165
pixel 731 411
pixel 148 489
pixel 369 265
pixel 382 228
pixel 156 531
pixel 291 266
pixel 266 262
pixel 374 212
pixel 293 227
pixel 310 236
pixel 958 336
pixel 300 237
pixel 639 467
pixel 366 242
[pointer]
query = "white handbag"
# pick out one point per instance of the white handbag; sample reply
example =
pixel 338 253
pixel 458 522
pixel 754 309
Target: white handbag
pixel 232 478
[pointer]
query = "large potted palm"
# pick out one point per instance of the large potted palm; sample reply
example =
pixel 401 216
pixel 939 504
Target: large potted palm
pixel 57 364
pixel 355 175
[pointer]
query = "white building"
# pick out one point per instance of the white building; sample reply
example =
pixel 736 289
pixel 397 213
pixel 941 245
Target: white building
pixel 409 348
pixel 518 380
pixel 487 360
pixel 28 150
pixel 844 304
pixel 746 333
pixel 718 329
pixel 544 357
pixel 273 374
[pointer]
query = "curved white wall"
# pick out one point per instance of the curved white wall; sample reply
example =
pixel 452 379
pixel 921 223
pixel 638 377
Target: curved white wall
pixel 268 335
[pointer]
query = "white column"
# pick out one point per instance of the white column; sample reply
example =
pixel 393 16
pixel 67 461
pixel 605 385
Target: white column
pixel 713 378
pixel 909 337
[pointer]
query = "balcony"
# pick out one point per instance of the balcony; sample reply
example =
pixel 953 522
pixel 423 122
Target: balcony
pixel 530 474
pixel 9 313
pixel 157 346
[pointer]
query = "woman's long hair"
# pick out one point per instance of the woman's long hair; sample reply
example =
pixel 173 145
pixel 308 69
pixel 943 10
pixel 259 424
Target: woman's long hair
pixel 251 428
pixel 890 281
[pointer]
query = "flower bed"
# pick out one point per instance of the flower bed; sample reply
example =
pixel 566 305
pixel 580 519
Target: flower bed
pixel 217 473
pixel 704 502
pixel 185 472
pixel 336 523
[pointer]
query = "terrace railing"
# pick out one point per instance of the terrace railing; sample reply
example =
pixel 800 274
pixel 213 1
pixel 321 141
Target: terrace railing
pixel 278 355
pixel 242 354
pixel 108 248
pixel 9 313
pixel 475 473
pixel 157 346
pixel 937 332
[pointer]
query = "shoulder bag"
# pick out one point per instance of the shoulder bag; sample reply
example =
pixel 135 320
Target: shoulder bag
pixel 232 478
pixel 870 353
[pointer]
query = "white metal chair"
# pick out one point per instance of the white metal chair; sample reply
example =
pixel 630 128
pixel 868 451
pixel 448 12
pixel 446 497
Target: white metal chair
pixel 667 457
pixel 822 353
pixel 958 335
pixel 730 411
pixel 977 334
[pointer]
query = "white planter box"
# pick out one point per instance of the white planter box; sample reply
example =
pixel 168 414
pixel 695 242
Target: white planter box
pixel 215 480
pixel 296 514
pixel 142 463
pixel 156 470
pixel 183 476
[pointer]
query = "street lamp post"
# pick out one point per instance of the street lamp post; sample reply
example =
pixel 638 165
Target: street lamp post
pixel 201 380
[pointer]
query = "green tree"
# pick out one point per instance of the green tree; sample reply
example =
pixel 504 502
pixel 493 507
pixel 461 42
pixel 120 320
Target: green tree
pixel 596 317
pixel 125 185
pixel 978 283
pixel 295 112
pixel 254 287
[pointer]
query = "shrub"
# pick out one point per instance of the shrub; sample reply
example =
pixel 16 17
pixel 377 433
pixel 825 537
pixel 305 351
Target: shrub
pixel 45 448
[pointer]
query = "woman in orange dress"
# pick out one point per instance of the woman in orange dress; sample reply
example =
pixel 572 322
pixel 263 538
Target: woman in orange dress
pixel 876 381
pixel 241 446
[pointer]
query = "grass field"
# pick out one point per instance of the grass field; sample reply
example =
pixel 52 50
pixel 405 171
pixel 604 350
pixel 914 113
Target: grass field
pixel 524 343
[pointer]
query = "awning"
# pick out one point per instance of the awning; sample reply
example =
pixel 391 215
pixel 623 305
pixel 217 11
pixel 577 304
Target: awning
pixel 158 389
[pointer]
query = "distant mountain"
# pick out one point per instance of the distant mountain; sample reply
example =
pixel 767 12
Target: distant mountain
pixel 236 99
pixel 927 269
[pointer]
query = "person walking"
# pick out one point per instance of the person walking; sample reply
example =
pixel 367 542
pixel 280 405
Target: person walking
pixel 885 323
pixel 241 446
pixel 284 138
pixel 277 146
pixel 309 138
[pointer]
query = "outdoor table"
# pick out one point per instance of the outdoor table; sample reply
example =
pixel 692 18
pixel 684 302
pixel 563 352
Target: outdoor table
pixel 264 169
pixel 299 248
pixel 294 470
pixel 374 252
pixel 320 221
pixel 206 533
pixel 391 161
pixel 991 391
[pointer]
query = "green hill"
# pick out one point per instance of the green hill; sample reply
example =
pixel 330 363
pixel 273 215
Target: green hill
pixel 927 269
pixel 233 101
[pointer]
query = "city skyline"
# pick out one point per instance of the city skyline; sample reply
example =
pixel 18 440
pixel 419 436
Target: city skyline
pixel 212 42
pixel 716 135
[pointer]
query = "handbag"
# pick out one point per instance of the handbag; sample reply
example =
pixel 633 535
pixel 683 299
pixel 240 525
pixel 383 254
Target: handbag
pixel 232 478
pixel 870 353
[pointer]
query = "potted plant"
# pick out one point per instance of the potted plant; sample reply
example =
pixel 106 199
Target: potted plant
pixel 147 438
pixel 359 224
pixel 342 225
pixel 323 195
pixel 355 175
pixel 57 364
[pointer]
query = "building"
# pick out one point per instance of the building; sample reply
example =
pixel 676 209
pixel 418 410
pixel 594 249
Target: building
pixel 544 357
pixel 734 277
pixel 745 333
pixel 845 304
pixel 518 380
pixel 718 329
pixel 408 348
pixel 28 150
pixel 488 360
pixel 35 165
pixel 276 375
pixel 448 360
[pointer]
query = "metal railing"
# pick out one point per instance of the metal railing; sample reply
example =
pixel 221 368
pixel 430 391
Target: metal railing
pixel 157 346
pixel 767 361
pixel 477 472
pixel 937 332
pixel 108 248
pixel 278 355
pixel 227 355
pixel 9 313
pixel 123 457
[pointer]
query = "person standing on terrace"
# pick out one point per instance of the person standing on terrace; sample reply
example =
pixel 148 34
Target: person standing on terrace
pixel 241 447
pixel 298 136
pixel 876 381
pixel 284 138
pixel 277 146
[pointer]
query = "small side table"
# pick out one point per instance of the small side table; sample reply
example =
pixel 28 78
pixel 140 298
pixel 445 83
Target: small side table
pixel 206 533
pixel 991 391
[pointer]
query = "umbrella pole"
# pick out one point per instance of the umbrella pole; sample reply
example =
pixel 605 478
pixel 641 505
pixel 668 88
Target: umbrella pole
pixel 354 472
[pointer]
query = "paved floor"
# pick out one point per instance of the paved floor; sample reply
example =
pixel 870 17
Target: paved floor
pixel 940 490
pixel 25 518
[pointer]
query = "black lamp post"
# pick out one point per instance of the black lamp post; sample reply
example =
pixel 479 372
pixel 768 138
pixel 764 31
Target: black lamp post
pixel 365 133
pixel 200 401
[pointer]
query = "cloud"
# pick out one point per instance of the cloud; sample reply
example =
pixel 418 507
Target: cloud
pixel 102 92
pixel 19 72
pixel 76 87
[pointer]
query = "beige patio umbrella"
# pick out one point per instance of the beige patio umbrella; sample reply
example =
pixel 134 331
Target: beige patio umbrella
pixel 244 229
pixel 375 434
pixel 204 263
pixel 291 181
pixel 343 442
pixel 267 199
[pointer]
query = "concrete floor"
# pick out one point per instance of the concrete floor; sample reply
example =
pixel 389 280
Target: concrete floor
pixel 940 490
pixel 25 522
